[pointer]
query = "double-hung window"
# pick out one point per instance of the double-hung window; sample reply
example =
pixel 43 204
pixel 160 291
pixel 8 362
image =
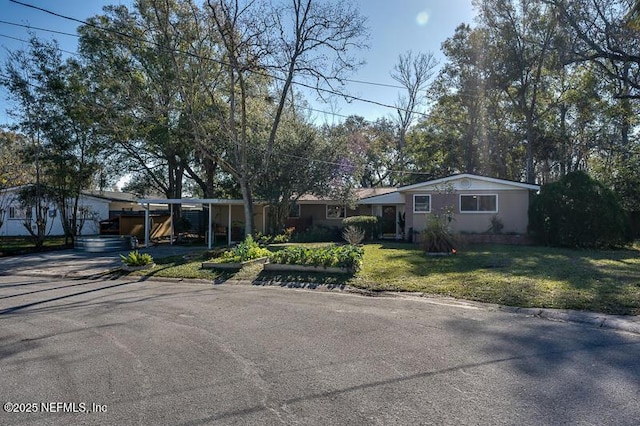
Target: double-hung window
pixel 421 203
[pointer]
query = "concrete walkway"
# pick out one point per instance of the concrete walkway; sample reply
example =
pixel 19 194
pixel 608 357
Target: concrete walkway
pixel 75 264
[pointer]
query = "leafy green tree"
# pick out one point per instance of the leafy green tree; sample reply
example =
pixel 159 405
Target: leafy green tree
pixel 605 33
pixel 13 171
pixel 50 107
pixel 521 36
pixel 304 162
pixel 578 211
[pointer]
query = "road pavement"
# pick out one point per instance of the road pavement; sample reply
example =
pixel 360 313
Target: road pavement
pixel 189 354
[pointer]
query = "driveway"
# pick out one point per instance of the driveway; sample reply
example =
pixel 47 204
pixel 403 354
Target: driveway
pixel 189 354
pixel 77 264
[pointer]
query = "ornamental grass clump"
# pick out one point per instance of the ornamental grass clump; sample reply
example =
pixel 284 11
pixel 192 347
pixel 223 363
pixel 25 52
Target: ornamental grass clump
pixel 437 238
pixel 353 235
pixel 247 250
pixel 135 258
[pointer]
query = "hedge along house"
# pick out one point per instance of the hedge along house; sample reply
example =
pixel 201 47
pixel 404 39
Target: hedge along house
pixel 472 201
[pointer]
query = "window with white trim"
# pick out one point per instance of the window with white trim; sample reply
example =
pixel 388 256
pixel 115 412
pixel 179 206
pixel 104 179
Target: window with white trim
pixel 422 203
pixel 294 211
pixel 335 211
pixel 473 203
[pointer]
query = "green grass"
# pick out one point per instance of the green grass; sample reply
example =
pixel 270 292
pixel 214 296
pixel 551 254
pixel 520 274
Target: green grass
pixel 595 280
pixel 605 281
pixel 188 267
pixel 19 244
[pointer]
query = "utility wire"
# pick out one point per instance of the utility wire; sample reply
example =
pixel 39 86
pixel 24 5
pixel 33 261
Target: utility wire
pixel 30 27
pixel 27 41
pixel 347 97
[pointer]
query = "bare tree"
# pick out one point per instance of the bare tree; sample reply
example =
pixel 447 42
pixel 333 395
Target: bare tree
pixel 275 43
pixel 413 73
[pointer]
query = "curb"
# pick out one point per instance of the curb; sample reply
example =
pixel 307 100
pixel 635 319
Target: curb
pixel 630 324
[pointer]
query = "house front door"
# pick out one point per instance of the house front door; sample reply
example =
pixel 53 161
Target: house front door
pixel 389 220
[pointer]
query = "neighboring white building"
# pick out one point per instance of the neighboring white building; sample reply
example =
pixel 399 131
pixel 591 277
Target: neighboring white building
pixel 93 207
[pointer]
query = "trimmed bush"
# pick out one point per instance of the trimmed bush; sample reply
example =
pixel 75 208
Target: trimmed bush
pixel 577 211
pixel 371 225
pixel 348 256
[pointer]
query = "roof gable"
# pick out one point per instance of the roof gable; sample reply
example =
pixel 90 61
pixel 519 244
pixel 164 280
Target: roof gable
pixel 467 181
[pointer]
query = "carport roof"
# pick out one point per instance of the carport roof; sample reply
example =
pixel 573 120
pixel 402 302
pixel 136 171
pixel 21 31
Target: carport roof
pixel 218 201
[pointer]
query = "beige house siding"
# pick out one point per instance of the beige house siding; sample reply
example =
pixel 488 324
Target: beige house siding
pixel 512 205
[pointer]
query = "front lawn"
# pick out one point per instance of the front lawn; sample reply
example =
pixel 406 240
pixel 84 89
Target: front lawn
pixel 595 280
pixel 605 281
pixel 22 245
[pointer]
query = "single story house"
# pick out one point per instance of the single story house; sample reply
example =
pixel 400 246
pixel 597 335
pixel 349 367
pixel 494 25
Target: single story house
pixel 471 201
pixel 13 214
pixel 94 207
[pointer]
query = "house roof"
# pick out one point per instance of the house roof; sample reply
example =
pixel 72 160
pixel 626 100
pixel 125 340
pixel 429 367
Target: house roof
pixel 394 197
pixel 470 181
pixel 360 194
pixel 112 195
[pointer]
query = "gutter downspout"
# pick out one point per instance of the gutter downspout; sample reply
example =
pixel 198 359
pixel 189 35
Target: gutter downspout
pixel 171 223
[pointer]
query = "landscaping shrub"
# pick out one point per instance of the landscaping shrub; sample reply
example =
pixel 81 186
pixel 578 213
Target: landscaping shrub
pixel 135 258
pixel 496 225
pixel 577 211
pixel 347 256
pixel 436 237
pixel 284 237
pixel 353 235
pixel 371 225
pixel 246 250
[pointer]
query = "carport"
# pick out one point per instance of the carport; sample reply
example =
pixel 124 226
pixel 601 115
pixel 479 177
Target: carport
pixel 210 202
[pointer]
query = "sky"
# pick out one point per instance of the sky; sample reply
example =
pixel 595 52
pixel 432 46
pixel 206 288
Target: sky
pixel 395 26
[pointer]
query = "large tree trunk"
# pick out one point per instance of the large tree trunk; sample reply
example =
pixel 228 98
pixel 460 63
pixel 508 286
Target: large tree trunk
pixel 248 206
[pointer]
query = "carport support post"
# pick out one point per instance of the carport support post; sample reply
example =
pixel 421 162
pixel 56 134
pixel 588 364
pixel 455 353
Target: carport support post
pixel 146 226
pixel 210 230
pixel 229 227
pixel 171 224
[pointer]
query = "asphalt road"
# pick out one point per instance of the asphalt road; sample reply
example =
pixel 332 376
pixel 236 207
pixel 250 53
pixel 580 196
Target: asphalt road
pixel 191 354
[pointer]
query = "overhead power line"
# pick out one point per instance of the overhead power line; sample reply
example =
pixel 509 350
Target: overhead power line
pixel 27 41
pixel 348 97
pixel 30 27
